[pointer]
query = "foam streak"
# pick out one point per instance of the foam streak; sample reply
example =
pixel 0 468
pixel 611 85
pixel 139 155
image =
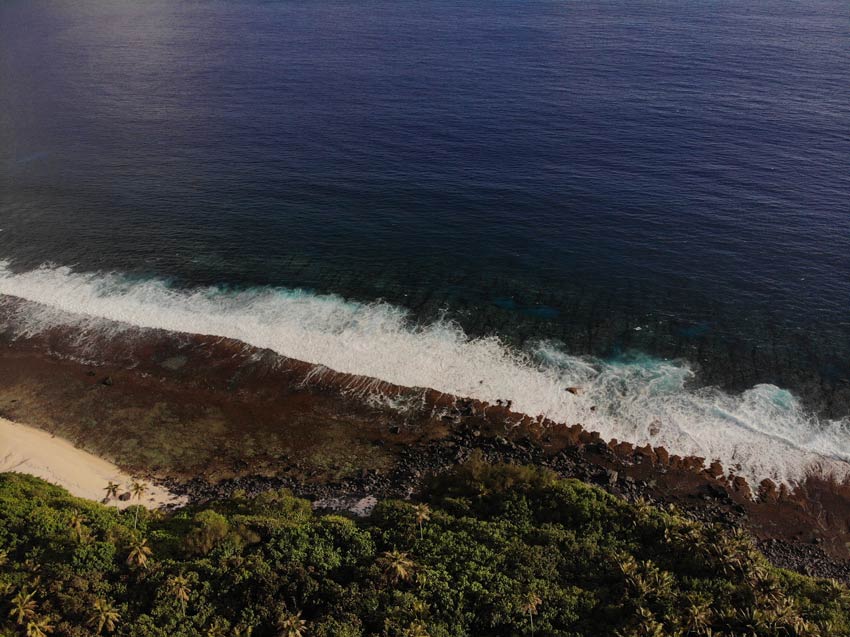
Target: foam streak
pixel 760 433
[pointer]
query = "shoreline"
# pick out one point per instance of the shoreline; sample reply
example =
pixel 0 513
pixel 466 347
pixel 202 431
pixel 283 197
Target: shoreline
pixel 208 416
pixel 28 450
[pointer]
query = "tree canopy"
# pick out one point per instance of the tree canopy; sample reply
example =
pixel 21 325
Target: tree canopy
pixel 499 550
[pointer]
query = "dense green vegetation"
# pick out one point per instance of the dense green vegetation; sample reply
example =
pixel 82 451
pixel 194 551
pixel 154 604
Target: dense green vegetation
pixel 497 550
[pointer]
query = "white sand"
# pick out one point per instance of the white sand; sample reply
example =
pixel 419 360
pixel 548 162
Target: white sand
pixel 25 449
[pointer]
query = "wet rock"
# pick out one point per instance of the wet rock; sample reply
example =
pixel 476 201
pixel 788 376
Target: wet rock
pixel 713 491
pixel 693 463
pixel 625 449
pixel 107 381
pixel 174 363
pixel 808 558
pixel 603 450
pixel 590 437
pixel 645 452
pixel 125 497
pixel 573 434
pixel 715 470
pixel 741 486
pixel 768 490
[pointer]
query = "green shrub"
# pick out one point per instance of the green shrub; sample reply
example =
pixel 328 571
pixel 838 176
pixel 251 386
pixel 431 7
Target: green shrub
pixel 501 551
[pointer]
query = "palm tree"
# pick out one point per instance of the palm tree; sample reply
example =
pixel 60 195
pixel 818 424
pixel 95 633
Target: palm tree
pixel 39 627
pixel 178 586
pixel 138 489
pixel 103 615
pixel 217 629
pixel 76 522
pixel 396 566
pixel 529 605
pixel 423 514
pixel 416 629
pixel 23 606
pixel 420 607
pixel 111 490
pixel 697 616
pixel 139 553
pixel 291 625
pixel 33 566
pixel 648 626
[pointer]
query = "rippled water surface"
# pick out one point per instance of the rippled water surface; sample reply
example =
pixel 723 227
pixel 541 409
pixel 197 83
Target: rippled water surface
pixel 620 178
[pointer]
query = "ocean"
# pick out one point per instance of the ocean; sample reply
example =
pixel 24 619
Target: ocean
pixel 500 200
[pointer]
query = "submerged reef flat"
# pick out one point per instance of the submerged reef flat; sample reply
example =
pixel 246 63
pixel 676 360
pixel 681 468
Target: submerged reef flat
pixel 211 416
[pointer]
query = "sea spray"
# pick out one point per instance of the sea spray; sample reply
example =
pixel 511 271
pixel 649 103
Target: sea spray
pixel 760 433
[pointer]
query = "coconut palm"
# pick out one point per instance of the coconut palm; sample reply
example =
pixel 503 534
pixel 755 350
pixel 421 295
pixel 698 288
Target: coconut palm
pixel 32 565
pixel 648 626
pixel 111 490
pixel 103 615
pixel 178 586
pixel 416 629
pixel 421 578
pixel 76 522
pixel 139 554
pixel 291 625
pixel 138 489
pixel 217 629
pixel 697 616
pixel 396 566
pixel 423 514
pixel 23 606
pixel 420 607
pixel 39 627
pixel 529 606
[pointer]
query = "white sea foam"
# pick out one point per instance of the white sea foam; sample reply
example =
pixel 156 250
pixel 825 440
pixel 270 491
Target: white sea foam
pixel 763 432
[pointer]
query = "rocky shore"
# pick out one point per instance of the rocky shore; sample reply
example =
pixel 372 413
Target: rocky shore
pixel 699 499
pixel 209 416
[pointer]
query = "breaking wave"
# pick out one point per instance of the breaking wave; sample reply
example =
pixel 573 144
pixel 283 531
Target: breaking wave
pixel 762 432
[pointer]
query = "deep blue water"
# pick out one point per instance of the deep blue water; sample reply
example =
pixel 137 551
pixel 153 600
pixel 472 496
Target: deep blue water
pixel 568 170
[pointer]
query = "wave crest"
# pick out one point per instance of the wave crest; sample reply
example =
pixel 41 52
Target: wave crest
pixel 761 433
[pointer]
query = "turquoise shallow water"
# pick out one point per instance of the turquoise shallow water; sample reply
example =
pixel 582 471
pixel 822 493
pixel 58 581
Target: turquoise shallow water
pixel 611 179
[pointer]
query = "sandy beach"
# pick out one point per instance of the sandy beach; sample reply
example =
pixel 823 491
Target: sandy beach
pixel 25 449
